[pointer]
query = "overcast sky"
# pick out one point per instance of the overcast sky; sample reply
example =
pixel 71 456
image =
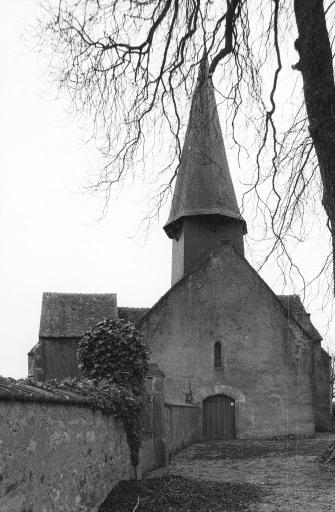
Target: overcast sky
pixel 49 237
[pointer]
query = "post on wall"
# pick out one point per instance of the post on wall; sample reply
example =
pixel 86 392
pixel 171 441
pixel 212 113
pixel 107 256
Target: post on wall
pixel 158 425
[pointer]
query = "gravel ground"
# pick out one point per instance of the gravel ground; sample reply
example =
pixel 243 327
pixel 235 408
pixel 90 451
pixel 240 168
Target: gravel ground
pixel 287 472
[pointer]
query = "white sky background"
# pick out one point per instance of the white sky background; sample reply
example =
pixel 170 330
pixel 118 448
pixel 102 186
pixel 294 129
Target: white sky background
pixel 49 238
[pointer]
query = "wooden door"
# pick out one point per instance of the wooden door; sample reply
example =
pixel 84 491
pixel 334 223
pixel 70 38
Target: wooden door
pixel 218 417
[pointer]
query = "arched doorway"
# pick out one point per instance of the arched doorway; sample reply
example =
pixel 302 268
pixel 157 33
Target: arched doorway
pixel 218 417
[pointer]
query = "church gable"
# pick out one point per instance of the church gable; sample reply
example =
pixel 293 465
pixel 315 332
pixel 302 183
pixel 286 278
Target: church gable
pixel 226 280
pixel 222 326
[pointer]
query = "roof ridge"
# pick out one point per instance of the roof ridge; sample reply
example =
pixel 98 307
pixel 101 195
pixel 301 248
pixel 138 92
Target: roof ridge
pixel 79 293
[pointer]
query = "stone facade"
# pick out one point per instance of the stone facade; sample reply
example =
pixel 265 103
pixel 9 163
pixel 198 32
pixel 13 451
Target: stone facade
pixel 267 357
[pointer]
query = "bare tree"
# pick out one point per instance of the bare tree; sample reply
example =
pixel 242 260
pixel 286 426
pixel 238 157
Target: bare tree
pixel 131 66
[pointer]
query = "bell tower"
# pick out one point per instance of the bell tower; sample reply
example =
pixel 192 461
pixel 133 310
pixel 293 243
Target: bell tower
pixel 204 208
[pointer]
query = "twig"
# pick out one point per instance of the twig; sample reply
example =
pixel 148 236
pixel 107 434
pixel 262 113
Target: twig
pixel 137 504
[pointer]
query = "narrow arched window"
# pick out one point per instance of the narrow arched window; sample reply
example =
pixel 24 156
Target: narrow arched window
pixel 217 355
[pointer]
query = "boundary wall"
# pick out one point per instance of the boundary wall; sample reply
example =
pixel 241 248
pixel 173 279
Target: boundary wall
pixel 182 426
pixel 57 454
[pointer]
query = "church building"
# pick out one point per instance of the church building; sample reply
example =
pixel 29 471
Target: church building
pixel 250 359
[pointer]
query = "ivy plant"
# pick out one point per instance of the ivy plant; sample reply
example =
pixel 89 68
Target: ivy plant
pixel 115 356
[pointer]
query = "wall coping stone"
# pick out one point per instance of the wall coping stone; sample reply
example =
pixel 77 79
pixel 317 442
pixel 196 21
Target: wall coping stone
pixel 192 406
pixel 10 389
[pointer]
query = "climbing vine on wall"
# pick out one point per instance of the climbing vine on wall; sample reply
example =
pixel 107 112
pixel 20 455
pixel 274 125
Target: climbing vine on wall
pixel 115 350
pixel 116 356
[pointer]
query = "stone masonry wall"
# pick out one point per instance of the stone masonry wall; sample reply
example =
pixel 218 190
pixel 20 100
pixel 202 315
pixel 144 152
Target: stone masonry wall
pixel 58 457
pixel 182 425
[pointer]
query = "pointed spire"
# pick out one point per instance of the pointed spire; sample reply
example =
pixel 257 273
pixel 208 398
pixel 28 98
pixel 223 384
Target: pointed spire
pixel 203 185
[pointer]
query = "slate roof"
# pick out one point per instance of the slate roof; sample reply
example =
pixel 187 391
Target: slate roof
pixel 72 314
pixel 203 185
pixel 293 304
pixel 296 308
pixel 132 314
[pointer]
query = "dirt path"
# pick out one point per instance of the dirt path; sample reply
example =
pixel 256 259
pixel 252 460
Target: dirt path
pixel 288 472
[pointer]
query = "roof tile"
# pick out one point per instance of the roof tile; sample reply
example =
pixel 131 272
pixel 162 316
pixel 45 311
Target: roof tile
pixel 296 308
pixel 72 314
pixel 132 314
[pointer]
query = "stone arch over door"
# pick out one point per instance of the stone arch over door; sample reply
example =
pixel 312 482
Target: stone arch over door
pixel 211 390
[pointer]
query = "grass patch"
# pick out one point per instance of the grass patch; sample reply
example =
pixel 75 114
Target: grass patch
pixel 172 493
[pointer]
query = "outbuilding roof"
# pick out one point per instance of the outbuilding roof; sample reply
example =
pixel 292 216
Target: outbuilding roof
pixel 204 185
pixel 72 314
pixel 296 308
pixel 131 314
